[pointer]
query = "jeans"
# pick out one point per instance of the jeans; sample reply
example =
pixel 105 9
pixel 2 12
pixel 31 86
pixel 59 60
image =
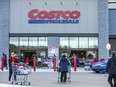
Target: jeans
pixel 10 75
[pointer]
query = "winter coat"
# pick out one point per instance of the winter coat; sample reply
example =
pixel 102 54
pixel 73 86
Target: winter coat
pixel 5 60
pixel 111 66
pixel 64 63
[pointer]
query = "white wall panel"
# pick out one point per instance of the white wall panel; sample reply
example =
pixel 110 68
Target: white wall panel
pixel 88 21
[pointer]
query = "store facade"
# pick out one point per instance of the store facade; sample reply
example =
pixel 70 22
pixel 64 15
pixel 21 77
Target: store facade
pixel 112 26
pixel 56 27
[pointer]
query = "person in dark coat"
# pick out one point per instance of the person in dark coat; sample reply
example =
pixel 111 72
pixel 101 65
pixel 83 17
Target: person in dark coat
pixel 5 60
pixel 64 63
pixel 111 69
pixel 32 59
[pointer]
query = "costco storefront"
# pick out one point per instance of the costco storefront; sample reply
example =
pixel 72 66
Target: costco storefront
pixel 55 27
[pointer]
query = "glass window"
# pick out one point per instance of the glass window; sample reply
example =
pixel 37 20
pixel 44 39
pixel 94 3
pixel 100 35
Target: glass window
pixel 43 42
pixel 32 41
pixel 14 41
pixel 42 54
pixel 23 41
pixel 73 42
pixel 64 42
pixel 83 42
pixel 93 42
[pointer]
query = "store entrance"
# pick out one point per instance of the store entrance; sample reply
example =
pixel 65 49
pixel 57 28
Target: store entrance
pixel 81 56
pixel 28 54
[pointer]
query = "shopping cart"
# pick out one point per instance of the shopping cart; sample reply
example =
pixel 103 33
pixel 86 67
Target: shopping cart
pixel 44 64
pixel 68 74
pixel 87 64
pixel 20 73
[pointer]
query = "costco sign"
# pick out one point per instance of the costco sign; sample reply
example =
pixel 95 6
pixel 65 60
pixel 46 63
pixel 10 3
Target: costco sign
pixel 53 17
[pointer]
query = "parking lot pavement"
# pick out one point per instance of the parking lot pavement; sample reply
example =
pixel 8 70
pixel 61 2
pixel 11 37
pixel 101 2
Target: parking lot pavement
pixel 8 85
pixel 48 78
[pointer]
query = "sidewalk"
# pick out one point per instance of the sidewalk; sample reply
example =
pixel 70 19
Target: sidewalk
pixel 79 69
pixel 8 85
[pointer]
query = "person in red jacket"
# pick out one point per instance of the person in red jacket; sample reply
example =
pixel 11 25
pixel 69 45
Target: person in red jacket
pixel 27 60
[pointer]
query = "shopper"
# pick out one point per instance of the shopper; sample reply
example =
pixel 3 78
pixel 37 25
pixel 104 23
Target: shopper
pixel 27 61
pixel 11 62
pixel 111 70
pixel 16 59
pixel 64 62
pixel 5 60
pixel 32 59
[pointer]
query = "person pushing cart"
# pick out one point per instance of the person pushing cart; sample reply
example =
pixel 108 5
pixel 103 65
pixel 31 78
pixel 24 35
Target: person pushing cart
pixel 64 63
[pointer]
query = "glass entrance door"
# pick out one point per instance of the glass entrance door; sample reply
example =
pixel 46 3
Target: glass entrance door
pixel 27 54
pixel 79 54
pixel 64 52
pixel 42 54
pixel 41 58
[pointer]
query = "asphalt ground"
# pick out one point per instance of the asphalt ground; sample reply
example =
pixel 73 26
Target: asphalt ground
pixel 80 78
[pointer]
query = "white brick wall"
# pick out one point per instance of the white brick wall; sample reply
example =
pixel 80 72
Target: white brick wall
pixel 4 27
pixel 103 27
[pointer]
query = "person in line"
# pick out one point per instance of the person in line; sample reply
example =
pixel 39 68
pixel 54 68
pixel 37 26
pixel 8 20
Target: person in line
pixel 27 61
pixel 111 69
pixel 5 60
pixel 16 59
pixel 32 59
pixel 11 62
pixel 70 65
pixel 64 63
pixel 39 62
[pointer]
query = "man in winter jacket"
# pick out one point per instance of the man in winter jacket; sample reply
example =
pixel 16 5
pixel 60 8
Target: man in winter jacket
pixel 64 63
pixel 111 69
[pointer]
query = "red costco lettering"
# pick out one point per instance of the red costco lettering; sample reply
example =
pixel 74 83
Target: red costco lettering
pixel 75 14
pixel 42 14
pixel 51 15
pixel 36 14
pixel 33 14
pixel 66 15
pixel 58 14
